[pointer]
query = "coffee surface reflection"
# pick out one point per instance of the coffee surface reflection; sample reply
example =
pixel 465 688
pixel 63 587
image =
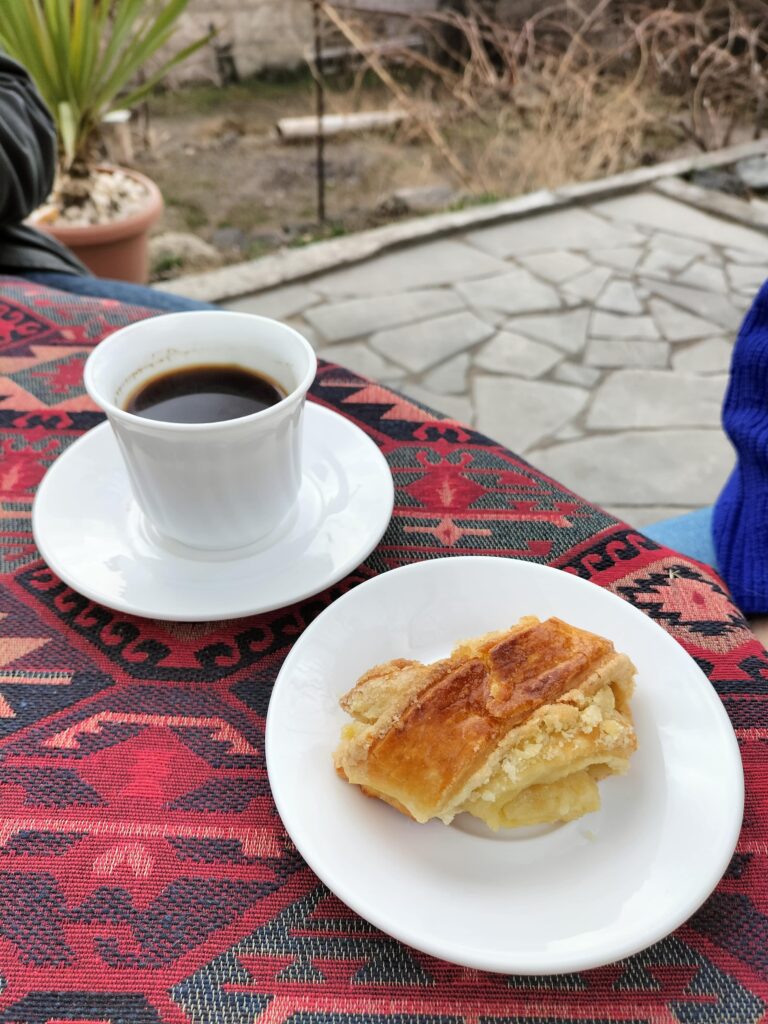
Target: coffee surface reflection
pixel 207 393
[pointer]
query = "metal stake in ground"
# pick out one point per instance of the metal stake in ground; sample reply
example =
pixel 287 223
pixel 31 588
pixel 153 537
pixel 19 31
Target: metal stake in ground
pixel 320 111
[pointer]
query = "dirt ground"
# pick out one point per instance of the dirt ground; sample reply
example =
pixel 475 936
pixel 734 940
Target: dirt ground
pixel 227 178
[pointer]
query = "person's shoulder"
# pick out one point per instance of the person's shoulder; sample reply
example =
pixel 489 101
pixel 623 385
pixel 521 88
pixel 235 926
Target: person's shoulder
pixel 9 66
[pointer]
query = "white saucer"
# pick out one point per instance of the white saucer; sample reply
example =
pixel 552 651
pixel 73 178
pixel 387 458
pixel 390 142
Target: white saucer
pixel 89 530
pixel 528 901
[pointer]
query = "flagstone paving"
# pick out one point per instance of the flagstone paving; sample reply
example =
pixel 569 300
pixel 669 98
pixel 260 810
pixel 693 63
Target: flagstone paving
pixel 593 340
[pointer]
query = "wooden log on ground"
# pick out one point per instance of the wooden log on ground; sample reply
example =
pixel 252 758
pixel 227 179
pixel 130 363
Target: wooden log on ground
pixel 299 129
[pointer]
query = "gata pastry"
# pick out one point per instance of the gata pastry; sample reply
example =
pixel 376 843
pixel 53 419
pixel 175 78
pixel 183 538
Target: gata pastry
pixel 516 727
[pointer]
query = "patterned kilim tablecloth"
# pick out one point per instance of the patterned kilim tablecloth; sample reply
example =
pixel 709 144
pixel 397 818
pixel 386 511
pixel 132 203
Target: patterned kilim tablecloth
pixel 144 873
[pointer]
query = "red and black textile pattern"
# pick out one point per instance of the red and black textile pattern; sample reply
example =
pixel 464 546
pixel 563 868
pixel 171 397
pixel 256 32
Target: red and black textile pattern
pixel 144 874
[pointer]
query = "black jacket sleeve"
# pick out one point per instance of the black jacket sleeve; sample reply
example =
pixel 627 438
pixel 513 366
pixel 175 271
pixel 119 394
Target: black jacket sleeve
pixel 27 144
pixel 27 167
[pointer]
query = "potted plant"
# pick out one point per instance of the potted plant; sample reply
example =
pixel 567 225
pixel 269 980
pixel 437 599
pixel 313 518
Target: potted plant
pixel 84 55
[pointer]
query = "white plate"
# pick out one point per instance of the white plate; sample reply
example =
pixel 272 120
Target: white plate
pixel 538 901
pixel 90 531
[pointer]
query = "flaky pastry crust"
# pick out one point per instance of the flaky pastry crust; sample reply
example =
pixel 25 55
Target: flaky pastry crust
pixel 515 727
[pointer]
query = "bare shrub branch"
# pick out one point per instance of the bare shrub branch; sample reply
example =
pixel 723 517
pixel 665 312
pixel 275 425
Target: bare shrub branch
pixel 579 88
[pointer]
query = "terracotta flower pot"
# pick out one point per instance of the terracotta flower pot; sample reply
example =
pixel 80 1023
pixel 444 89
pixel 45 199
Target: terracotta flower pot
pixel 119 249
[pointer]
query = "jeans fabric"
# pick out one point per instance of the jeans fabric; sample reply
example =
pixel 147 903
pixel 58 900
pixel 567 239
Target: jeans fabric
pixel 121 291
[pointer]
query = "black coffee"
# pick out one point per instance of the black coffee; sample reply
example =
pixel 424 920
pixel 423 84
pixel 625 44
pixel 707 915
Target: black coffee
pixel 204 394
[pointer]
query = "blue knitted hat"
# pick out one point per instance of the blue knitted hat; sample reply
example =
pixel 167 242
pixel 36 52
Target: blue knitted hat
pixel 740 520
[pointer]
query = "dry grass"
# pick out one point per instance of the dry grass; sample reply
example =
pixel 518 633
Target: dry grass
pixel 589 135
pixel 578 90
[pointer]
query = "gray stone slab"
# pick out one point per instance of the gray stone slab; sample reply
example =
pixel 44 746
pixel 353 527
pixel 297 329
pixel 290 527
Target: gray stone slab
pixel 575 373
pixel 629 399
pixel 710 356
pixel 646 515
pixel 586 287
pixel 664 263
pixel 445 261
pixel 627 354
pixel 748 278
pixel 356 356
pixel 516 355
pixel 648 467
pixel 571 228
pixel 517 291
pixel 419 346
pixel 490 316
pixel 567 331
pixel 612 326
pixel 676 324
pixel 679 243
pixel 619 297
pixel 705 276
pixel 744 256
pixel 521 413
pixel 339 321
pixel 622 258
pixel 742 300
pixel 704 304
pixel 279 303
pixel 669 215
pixel 556 266
pixel 453 406
pixel 568 433
pixel 449 378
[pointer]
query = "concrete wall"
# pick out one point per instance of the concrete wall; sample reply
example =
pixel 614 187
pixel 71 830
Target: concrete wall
pixel 278 33
pixel 264 33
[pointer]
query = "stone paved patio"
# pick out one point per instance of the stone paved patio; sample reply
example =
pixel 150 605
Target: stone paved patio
pixel 595 340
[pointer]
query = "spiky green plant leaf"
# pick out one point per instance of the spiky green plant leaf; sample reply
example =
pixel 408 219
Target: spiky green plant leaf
pixel 85 56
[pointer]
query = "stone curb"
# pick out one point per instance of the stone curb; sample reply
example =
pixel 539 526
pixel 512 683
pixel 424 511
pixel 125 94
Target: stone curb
pixel 289 265
pixel 718 203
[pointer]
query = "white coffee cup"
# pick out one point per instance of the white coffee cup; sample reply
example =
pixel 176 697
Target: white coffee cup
pixel 211 486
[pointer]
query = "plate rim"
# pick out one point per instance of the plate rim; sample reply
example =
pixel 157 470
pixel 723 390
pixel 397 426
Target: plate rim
pixel 209 615
pixel 466 957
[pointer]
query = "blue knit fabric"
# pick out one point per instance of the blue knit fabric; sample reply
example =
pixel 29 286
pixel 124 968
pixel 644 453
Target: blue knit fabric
pixel 740 520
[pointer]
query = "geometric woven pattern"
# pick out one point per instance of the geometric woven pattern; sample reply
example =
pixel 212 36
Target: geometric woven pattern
pixel 145 876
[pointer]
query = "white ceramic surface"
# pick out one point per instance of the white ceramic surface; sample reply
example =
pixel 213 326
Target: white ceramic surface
pixel 534 901
pixel 91 532
pixel 207 485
